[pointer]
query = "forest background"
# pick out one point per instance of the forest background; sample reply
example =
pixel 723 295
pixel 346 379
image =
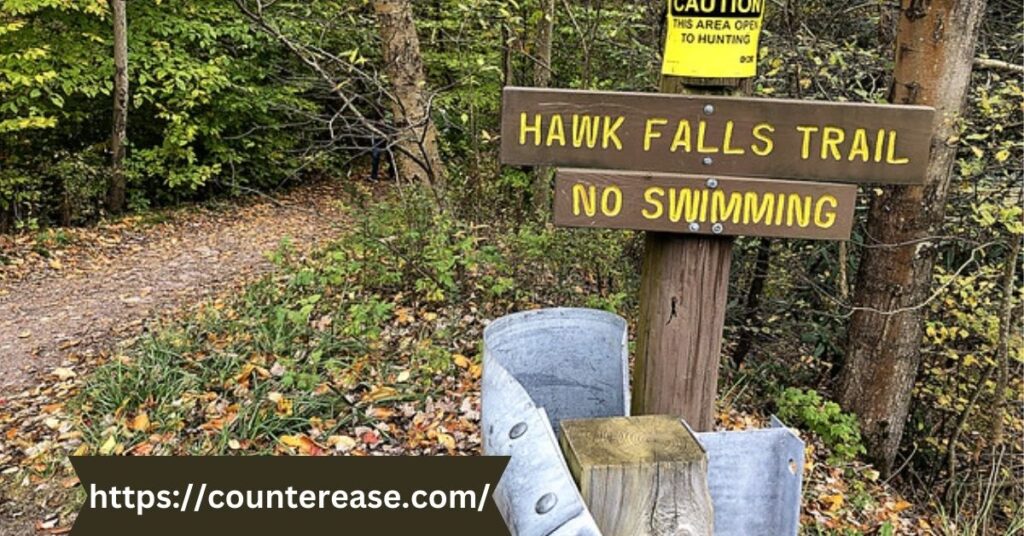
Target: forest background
pixel 234 98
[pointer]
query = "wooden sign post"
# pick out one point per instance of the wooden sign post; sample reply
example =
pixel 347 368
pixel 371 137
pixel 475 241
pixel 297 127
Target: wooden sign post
pixel 684 291
pixel 694 170
pixel 697 170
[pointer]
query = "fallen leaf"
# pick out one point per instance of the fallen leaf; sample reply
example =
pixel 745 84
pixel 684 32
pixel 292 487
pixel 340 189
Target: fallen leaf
pixel 108 446
pixel 64 373
pixel 834 502
pixel 403 315
pixel 446 441
pixel 285 407
pixel 381 413
pixel 370 438
pixel 52 408
pixel 142 449
pixel 341 443
pixel 460 360
pixel 141 422
pixel 380 393
pixel 303 444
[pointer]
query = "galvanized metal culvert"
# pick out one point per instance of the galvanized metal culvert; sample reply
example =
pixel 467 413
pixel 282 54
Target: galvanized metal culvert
pixel 544 366
pixel 541 367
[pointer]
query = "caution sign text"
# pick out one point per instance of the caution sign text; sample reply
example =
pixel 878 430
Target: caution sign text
pixel 713 38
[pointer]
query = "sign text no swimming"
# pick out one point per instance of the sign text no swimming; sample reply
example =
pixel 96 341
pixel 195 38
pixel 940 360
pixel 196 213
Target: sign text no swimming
pixel 693 204
pixel 774 138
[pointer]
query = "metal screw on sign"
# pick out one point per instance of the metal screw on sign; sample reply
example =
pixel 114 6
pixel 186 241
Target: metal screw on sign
pixel 709 109
pixel 695 227
pixel 717 228
pixel 708 161
pixel 712 183
pixel 547 503
pixel 517 431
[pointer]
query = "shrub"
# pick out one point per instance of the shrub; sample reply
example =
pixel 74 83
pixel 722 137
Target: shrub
pixel 808 409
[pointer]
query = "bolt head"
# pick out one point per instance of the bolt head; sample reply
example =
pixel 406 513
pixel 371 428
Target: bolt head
pixel 717 228
pixel 694 227
pixel 708 161
pixel 517 431
pixel 712 183
pixel 709 109
pixel 546 503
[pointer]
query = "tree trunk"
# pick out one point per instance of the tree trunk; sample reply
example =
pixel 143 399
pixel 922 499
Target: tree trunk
pixel 1007 323
pixel 117 186
pixel 543 43
pixel 417 153
pixel 542 78
pixel 935 47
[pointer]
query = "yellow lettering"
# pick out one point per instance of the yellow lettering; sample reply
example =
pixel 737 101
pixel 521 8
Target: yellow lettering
pixel 702 128
pixel 556 131
pixel 879 144
pixel 780 205
pixel 659 209
pixel 682 138
pixel 524 129
pixel 756 208
pixel 860 146
pixel 650 133
pixel 581 195
pixel 585 129
pixel 683 202
pixel 609 135
pixel 805 151
pixel 720 211
pixel 727 147
pixel 703 217
pixel 799 210
pixel 831 137
pixel 890 157
pixel 611 210
pixel 761 132
pixel 825 218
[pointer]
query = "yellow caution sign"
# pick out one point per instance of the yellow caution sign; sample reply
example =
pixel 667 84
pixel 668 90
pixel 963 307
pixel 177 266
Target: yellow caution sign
pixel 713 38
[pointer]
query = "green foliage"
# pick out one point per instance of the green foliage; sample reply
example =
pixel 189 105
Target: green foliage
pixel 806 409
pixel 205 112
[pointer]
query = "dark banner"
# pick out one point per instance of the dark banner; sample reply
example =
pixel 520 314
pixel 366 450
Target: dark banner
pixel 279 495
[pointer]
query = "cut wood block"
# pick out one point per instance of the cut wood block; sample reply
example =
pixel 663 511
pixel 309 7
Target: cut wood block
pixel 640 475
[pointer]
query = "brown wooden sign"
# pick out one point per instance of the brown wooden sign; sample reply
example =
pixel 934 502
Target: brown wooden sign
pixel 772 138
pixel 701 205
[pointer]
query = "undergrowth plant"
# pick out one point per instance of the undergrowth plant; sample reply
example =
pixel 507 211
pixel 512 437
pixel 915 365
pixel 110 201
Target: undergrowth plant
pixel 808 410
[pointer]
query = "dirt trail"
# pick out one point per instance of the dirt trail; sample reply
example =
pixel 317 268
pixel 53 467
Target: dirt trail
pixel 91 296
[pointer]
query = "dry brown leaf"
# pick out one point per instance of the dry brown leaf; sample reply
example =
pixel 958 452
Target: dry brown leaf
pixel 380 393
pixel 140 423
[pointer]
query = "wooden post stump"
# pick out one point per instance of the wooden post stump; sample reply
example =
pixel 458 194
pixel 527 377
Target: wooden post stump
pixel 640 475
